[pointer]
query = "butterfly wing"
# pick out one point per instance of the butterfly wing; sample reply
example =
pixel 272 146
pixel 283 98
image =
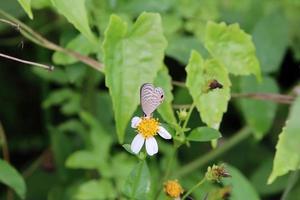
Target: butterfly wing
pixel 150 98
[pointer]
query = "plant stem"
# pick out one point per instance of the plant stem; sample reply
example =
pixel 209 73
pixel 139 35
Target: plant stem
pixel 293 178
pixel 193 188
pixel 188 116
pixel 234 140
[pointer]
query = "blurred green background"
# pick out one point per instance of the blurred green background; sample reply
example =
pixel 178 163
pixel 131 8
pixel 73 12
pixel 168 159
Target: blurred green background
pixel 47 116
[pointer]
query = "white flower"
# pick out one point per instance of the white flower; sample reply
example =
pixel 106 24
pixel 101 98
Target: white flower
pixel 147 128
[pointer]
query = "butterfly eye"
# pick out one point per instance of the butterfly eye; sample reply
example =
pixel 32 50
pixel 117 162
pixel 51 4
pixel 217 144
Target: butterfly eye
pixel 162 96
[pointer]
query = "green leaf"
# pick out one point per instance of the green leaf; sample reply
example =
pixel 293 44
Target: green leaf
pixel 241 187
pixel 233 48
pixel 270 36
pixel 96 190
pixel 260 176
pixel 80 45
pixel 26 5
pixel 40 4
pixel 179 47
pixel 287 155
pixel 68 99
pixel 12 178
pixel 76 14
pixel 211 103
pixel 259 114
pixel 203 134
pixel 56 76
pixel 128 148
pixel 138 182
pixel 164 81
pixel 83 160
pixel 131 57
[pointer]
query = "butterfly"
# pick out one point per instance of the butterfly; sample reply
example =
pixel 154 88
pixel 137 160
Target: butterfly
pixel 150 98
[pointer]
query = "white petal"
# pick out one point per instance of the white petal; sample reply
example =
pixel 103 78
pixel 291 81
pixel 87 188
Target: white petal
pixel 135 122
pixel 151 146
pixel 137 143
pixel 164 133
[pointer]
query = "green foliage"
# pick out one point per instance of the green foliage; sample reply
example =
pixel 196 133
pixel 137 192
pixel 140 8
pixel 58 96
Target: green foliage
pixel 164 80
pixel 11 177
pixel 259 114
pixel 138 183
pixel 77 15
pixel 27 7
pixel 232 47
pixel 126 66
pixel 211 103
pixel 95 189
pixel 241 187
pixel 80 44
pixel 287 156
pixel 203 134
pixel 79 118
pixel 270 36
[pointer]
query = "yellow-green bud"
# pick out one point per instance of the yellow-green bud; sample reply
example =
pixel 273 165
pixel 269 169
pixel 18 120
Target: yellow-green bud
pixel 182 114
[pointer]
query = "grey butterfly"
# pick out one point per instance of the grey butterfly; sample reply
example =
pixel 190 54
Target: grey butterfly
pixel 150 98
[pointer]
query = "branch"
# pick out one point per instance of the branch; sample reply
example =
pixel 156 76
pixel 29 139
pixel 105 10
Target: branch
pixel 278 98
pixel 40 40
pixel 48 67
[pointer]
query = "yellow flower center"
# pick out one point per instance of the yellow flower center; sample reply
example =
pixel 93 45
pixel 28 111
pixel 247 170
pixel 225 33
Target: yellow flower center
pixel 148 127
pixel 173 188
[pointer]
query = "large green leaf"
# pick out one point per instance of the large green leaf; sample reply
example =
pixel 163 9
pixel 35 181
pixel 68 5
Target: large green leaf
pixel 287 155
pixel 26 5
pixel 138 182
pixel 259 114
pixel 203 134
pixel 75 12
pixel 241 187
pixel 211 103
pixel 11 177
pixel 131 57
pixel 233 48
pixel 164 81
pixel 270 37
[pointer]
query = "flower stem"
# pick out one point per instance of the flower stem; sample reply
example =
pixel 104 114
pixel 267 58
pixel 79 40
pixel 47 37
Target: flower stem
pixel 234 140
pixel 193 188
pixel 188 116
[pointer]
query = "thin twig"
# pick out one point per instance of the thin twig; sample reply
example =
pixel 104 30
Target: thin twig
pixel 9 22
pixel 4 144
pixel 48 67
pixel 35 164
pixel 278 98
pixel 178 83
pixel 40 40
